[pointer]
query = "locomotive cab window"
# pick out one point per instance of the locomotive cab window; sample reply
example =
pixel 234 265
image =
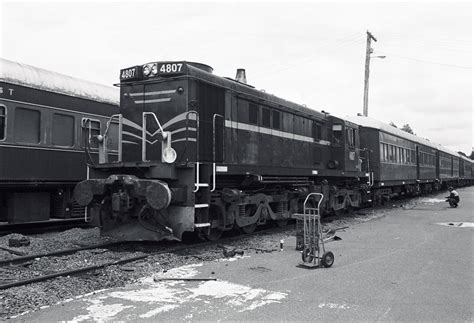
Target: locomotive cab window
pixel 337 133
pixel 351 137
pixel 27 126
pixel 3 119
pixel 63 130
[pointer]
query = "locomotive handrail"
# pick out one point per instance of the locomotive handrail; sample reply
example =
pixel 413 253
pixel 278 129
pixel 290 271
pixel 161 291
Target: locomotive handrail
pixel 87 124
pixel 197 131
pixel 144 115
pixel 119 158
pixel 214 117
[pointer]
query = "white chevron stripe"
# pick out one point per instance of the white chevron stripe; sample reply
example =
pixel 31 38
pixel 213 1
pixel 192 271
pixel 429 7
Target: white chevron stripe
pixel 153 100
pixel 272 132
pixel 153 93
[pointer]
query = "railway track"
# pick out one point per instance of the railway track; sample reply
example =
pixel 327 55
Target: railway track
pixel 16 265
pixel 41 226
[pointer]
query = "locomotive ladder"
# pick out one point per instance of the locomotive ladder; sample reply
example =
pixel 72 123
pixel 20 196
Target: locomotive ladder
pixel 205 203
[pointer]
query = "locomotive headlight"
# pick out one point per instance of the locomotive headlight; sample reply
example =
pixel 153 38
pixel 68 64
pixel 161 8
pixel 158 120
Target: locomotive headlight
pixel 169 155
pixel 146 70
pixel 154 69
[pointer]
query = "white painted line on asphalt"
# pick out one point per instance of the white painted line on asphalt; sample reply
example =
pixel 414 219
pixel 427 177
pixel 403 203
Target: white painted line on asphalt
pixel 457 224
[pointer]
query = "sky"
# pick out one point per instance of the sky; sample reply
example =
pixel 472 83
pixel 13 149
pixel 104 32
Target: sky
pixel 311 53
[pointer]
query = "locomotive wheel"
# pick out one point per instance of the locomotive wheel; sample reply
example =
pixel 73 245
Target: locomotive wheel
pixel 214 234
pixel 249 228
pixel 328 259
pixel 307 255
pixel 281 223
pixel 249 211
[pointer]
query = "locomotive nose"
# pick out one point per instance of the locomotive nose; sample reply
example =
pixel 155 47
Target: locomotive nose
pixel 157 193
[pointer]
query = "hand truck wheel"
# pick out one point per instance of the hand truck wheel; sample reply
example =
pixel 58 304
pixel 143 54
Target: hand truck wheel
pixel 307 255
pixel 328 259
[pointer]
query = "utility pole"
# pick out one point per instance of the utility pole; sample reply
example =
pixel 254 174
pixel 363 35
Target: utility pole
pixel 368 51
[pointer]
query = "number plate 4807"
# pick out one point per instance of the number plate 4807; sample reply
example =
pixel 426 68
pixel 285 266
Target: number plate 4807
pixel 170 68
pixel 129 73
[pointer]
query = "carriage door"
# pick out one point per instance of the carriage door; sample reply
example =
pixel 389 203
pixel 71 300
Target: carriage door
pixel 417 163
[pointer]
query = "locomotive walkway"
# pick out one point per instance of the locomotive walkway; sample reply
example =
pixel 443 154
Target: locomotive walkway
pixel 403 266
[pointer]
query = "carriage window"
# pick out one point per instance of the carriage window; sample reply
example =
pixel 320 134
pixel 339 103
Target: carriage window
pixel 266 117
pixel 63 130
pixel 276 119
pixel 3 117
pixel 253 113
pixel 27 126
pixel 90 128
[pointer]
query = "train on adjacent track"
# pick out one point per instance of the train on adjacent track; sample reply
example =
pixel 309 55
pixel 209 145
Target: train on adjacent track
pixel 199 152
pixel 46 119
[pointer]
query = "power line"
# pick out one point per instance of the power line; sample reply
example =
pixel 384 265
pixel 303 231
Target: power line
pixel 424 61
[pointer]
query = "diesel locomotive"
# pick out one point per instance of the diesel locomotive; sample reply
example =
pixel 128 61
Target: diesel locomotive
pixel 199 152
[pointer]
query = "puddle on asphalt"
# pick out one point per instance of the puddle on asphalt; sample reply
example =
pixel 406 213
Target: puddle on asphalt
pixel 432 200
pixel 457 224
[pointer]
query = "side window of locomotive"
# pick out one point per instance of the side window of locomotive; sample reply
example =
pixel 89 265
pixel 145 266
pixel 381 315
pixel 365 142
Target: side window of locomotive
pixel 287 122
pixel 242 111
pixel 27 126
pixel 276 120
pixel 337 134
pixel 63 130
pixel 266 117
pixel 253 114
pixel 316 131
pixel 3 123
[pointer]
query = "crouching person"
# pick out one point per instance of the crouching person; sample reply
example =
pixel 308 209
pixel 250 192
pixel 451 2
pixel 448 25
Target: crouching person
pixel 453 197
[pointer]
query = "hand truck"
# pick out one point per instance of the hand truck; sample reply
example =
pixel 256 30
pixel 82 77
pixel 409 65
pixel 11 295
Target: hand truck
pixel 314 254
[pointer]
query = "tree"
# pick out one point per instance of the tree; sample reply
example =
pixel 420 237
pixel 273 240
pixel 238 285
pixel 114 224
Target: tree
pixel 472 155
pixel 407 128
pixel 392 124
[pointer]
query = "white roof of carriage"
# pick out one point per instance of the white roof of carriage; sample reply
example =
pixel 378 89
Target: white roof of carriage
pixel 38 78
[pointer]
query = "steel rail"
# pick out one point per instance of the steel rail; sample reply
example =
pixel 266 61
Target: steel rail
pixel 70 272
pixel 56 253
pixel 125 260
